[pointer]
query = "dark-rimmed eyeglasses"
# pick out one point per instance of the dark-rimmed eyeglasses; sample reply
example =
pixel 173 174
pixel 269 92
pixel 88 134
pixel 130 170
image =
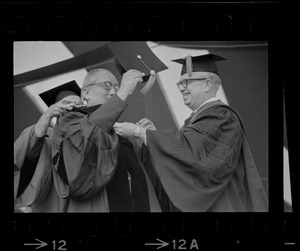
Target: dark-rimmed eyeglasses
pixel 184 83
pixel 107 85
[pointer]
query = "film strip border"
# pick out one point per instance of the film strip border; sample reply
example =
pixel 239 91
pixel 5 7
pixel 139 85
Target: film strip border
pixel 236 21
pixel 150 232
pixel 193 20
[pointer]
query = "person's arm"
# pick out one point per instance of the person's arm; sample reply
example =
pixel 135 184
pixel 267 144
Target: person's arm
pixel 90 146
pixel 195 164
pixel 87 156
pixel 37 136
pixel 106 115
pixel 32 176
pixel 138 130
pixel 39 131
pixel 36 139
pixel 109 112
pixel 86 149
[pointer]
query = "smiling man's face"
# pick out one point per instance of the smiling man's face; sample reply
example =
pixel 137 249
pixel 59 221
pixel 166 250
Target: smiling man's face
pixel 193 95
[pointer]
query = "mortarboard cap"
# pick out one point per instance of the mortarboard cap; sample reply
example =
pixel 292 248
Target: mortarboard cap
pixel 54 95
pixel 137 55
pixel 204 63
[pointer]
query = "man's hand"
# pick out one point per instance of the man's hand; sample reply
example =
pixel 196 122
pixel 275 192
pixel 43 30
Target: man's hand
pixel 55 110
pixel 147 124
pixel 129 82
pixel 63 105
pixel 125 129
pixel 137 130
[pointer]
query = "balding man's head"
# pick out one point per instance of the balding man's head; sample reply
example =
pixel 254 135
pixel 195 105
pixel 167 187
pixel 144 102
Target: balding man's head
pixel 98 86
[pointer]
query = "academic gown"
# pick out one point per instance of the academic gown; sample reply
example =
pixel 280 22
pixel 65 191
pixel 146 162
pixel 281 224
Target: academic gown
pixel 207 165
pixel 92 164
pixel 33 182
pixel 34 175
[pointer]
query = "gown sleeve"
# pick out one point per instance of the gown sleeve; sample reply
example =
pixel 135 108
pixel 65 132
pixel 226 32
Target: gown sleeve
pixel 85 150
pixel 195 164
pixel 32 168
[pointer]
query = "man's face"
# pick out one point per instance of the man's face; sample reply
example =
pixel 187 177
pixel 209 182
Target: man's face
pixel 193 95
pixel 71 99
pixel 104 87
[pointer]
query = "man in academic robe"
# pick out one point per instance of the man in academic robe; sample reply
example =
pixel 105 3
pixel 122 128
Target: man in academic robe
pixel 94 170
pixel 33 182
pixel 207 165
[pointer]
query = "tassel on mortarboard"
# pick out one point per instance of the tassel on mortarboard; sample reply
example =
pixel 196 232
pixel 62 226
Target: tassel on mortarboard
pixel 189 65
pixel 149 83
pixel 151 79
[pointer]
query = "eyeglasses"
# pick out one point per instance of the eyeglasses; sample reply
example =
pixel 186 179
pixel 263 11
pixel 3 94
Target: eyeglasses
pixel 107 85
pixel 184 83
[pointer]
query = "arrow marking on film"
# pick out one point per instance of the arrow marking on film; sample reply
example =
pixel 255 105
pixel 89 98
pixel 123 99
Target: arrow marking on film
pixel 161 244
pixel 40 244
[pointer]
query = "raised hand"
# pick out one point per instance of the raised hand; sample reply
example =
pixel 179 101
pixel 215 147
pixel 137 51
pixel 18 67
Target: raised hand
pixel 129 81
pixel 63 105
pixel 55 110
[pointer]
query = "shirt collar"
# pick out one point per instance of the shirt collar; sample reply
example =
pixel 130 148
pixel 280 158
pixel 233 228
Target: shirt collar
pixel 209 100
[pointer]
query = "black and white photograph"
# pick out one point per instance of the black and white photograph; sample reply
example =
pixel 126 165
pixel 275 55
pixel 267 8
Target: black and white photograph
pixel 146 126
pixel 141 126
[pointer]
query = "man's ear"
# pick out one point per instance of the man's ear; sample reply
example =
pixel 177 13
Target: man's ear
pixel 208 85
pixel 85 92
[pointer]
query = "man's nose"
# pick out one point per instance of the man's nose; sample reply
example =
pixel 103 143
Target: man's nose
pixel 181 89
pixel 112 91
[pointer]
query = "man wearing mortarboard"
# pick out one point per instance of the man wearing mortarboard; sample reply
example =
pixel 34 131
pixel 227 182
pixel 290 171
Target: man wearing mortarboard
pixel 90 160
pixel 91 164
pixel 33 182
pixel 95 170
pixel 207 165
